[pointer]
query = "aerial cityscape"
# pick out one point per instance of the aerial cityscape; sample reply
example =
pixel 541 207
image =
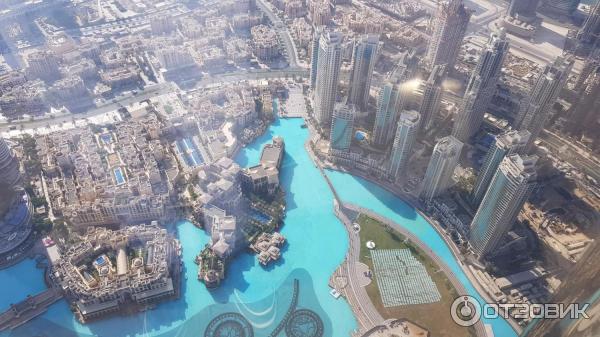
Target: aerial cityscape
pixel 300 168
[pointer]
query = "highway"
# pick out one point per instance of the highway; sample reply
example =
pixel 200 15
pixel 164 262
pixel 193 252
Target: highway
pixel 149 92
pixel 28 8
pixel 153 91
pixel 575 155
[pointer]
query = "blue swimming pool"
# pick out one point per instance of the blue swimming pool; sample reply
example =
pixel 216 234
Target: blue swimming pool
pixel 190 152
pixel 119 177
pixel 259 216
pixel 106 138
pixel 275 106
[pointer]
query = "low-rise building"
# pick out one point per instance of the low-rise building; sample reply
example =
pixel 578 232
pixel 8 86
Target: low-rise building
pixel 263 179
pixel 113 271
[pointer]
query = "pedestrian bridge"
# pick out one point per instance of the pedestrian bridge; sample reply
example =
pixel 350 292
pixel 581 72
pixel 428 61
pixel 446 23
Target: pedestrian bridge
pixel 28 309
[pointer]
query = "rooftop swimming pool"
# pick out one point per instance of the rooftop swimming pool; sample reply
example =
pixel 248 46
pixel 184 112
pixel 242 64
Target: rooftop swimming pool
pixel 275 106
pixel 190 152
pixel 100 260
pixel 106 138
pixel 119 176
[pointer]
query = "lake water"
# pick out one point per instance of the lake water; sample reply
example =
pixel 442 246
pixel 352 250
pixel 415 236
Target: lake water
pixel 317 243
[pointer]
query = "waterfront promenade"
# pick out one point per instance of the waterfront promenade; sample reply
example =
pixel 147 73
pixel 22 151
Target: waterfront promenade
pixel 479 327
pixel 417 206
pixel 356 295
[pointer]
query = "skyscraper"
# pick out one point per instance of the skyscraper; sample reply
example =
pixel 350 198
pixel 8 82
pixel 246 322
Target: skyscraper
pixel 449 26
pixel 508 191
pixel 481 87
pixel 537 106
pixel 432 96
pixel 590 31
pixel 504 145
pixel 580 285
pixel 406 135
pixel 9 167
pixel 562 7
pixel 328 72
pixel 365 55
pixel 523 9
pixel 440 169
pixel 589 67
pixel 585 113
pixel 387 103
pixel 463 125
pixel 15 206
pixel 391 98
pixel 314 60
pixel 342 126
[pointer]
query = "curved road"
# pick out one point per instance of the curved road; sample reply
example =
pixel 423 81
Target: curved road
pixel 361 303
pixel 479 327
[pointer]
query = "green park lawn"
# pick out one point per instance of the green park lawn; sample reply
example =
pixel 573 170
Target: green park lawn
pixel 434 317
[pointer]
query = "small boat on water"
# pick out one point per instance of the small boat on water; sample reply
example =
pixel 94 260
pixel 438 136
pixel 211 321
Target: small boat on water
pixel 335 294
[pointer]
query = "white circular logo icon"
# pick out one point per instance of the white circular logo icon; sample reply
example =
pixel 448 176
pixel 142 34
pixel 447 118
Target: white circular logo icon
pixel 466 311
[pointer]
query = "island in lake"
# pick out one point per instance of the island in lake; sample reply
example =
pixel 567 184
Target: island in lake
pixel 239 209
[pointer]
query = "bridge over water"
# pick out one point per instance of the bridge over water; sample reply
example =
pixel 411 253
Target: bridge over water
pixel 28 309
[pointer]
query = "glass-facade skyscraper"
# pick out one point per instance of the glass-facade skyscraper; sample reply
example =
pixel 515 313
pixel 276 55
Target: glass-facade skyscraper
pixel 508 191
pixel 365 55
pixel 406 135
pixel 440 169
pixel 329 61
pixel 505 144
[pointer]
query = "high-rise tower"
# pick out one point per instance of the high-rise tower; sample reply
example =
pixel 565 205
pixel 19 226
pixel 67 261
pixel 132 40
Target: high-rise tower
pixel 481 87
pixel 391 99
pixel 584 117
pixel 537 106
pixel 591 63
pixel 449 26
pixel 15 206
pixel 580 286
pixel 314 60
pixel 327 78
pixel 365 55
pixel 432 96
pixel 523 9
pixel 504 145
pixel 342 126
pixel 562 7
pixel 440 169
pixel 590 31
pixel 508 191
pixel 387 110
pixel 9 167
pixel 406 135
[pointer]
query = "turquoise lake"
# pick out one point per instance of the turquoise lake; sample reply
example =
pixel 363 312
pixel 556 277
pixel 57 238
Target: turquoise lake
pixel 317 243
